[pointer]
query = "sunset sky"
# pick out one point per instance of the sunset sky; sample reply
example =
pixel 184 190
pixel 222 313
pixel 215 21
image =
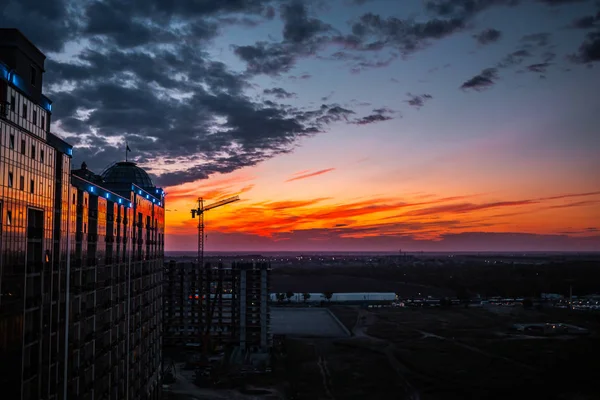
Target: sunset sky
pixel 355 125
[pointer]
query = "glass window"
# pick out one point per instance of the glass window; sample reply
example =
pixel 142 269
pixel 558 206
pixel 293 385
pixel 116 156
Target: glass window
pixel 32 186
pixel 33 151
pixel 43 122
pixel 12 142
pixel 42 155
pixel 10 179
pixel 13 106
pixel 22 146
pixel 8 217
pixel 24 110
pixel 34 117
pixel 22 183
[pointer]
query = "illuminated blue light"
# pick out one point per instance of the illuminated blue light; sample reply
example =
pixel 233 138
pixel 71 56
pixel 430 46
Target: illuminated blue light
pixel 119 201
pixel 159 203
pixel 46 103
pixel 147 196
pixel 157 190
pixel 69 152
pixel 107 196
pixel 91 188
pixel 4 71
pixel 18 81
pixel 132 187
pixel 140 192
pixel 154 200
pixel 130 205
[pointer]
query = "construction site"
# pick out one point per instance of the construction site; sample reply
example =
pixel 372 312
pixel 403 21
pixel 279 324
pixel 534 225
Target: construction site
pixel 217 306
pixel 216 318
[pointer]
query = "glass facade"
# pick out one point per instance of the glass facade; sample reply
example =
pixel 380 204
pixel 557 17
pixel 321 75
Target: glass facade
pixel 81 259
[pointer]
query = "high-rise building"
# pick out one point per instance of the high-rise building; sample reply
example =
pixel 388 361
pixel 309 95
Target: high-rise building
pixel 34 181
pixel 81 256
pixel 237 310
pixel 115 284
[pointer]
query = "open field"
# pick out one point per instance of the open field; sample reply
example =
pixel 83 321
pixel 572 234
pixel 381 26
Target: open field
pixel 306 322
pixel 469 353
pixel 321 369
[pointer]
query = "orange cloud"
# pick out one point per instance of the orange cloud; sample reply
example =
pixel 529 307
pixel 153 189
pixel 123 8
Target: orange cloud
pixel 432 218
pixel 310 175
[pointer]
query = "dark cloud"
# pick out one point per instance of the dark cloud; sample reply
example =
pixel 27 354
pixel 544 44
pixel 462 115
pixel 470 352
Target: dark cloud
pixel 589 50
pixel 55 22
pixel 535 40
pixel 484 80
pixel 304 36
pixel 488 36
pixel 300 77
pixel 369 119
pixel 560 2
pixel 143 77
pixel 587 22
pixel 378 115
pixel 298 27
pixel 300 39
pixel 418 101
pixel 406 36
pixel 464 8
pixel 280 93
pixel 514 58
pixel 541 67
pixel 266 58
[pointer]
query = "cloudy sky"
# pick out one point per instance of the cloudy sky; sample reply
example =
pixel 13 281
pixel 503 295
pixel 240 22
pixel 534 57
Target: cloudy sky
pixel 342 124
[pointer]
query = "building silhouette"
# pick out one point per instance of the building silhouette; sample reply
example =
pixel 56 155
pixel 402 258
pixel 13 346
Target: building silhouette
pixel 81 256
pixel 236 313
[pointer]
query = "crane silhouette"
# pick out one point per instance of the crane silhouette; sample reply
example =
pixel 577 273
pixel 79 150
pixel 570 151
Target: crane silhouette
pixel 205 294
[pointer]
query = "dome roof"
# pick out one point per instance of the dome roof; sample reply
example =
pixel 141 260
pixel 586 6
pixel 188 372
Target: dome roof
pixel 127 172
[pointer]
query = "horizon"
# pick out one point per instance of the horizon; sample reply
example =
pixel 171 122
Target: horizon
pixel 436 126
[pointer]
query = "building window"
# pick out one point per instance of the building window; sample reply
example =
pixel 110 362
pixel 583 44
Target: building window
pixel 12 103
pixel 33 151
pixel 22 146
pixel 33 75
pixel 9 218
pixel 34 117
pixel 22 183
pixel 84 227
pixel 73 198
pixel 42 155
pixel 25 110
pixel 12 142
pixel 32 186
pixel 43 122
pixel 10 179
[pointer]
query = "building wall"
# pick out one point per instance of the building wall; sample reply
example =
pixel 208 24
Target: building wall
pixel 80 266
pixel 30 301
pixel 238 310
pixel 116 303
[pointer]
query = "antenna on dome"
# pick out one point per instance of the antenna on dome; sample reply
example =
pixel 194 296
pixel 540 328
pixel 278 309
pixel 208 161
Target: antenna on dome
pixel 127 150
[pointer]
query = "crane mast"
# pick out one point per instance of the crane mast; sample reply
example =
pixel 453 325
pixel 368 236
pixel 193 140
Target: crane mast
pixel 204 298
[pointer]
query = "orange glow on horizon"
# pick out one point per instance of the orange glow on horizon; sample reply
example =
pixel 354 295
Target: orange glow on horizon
pixel 420 215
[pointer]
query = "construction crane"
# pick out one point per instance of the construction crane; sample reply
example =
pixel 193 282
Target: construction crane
pixel 200 213
pixel 205 294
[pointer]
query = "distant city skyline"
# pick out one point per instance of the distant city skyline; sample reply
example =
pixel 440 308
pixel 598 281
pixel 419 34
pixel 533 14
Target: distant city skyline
pixel 343 125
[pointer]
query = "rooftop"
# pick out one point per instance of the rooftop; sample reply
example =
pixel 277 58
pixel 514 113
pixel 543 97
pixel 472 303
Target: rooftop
pixel 127 172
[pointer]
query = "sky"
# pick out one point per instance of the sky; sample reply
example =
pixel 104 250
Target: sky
pixel 343 125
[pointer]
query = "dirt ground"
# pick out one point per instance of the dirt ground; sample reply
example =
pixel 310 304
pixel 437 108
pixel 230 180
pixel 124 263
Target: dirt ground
pixel 470 354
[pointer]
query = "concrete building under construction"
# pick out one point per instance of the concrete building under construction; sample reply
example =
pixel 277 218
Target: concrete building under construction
pixel 217 305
